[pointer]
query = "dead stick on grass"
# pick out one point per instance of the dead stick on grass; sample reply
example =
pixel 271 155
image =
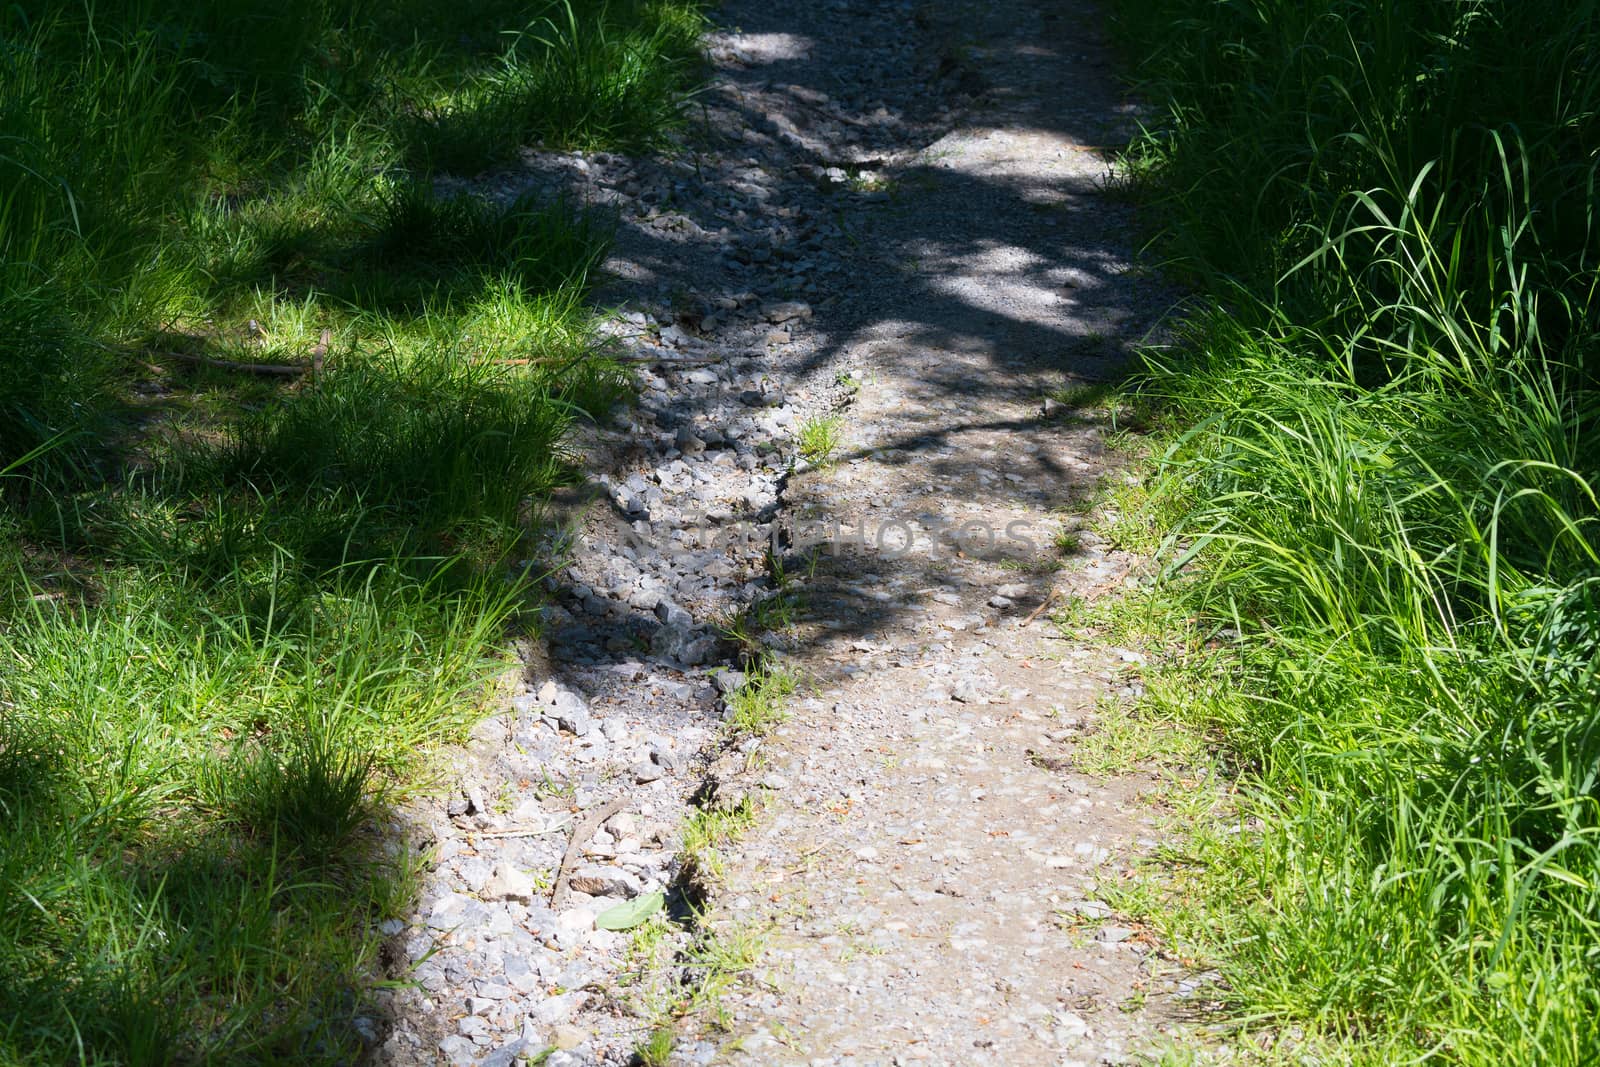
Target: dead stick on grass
pixel 665 361
pixel 585 829
pixel 318 353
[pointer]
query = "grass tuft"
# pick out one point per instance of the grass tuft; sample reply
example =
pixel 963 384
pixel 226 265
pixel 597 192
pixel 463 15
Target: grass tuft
pixel 820 437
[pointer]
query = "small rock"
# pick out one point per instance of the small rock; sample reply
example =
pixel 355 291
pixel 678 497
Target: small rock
pixel 1112 935
pixel 789 309
pixel 567 1038
pixel 558 1011
pixel 505 1055
pixel 572 714
pixel 1089 909
pixel 672 615
pixel 454 909
pixel 458 1051
pixel 604 882
pixel 508 883
pixel 728 682
pixel 522 975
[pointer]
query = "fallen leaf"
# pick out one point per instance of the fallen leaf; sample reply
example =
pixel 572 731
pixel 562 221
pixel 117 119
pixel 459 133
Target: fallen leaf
pixel 630 914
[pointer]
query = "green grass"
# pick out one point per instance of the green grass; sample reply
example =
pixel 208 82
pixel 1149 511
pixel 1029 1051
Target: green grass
pixel 239 612
pixel 572 78
pixel 656 1050
pixel 679 974
pixel 1380 514
pixel 706 831
pixel 691 974
pixel 761 704
pixel 819 438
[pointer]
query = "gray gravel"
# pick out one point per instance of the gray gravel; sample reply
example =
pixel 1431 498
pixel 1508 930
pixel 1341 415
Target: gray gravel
pixel 889 211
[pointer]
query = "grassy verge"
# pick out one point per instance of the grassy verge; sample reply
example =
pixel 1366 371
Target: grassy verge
pixel 238 607
pixel 1382 515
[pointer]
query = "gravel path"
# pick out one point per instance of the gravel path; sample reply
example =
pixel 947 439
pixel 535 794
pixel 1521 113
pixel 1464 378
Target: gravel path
pixel 891 212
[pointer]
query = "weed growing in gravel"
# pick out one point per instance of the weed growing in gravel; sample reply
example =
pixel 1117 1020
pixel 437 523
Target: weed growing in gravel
pixel 759 705
pixel 706 830
pixel 1039 565
pixel 1067 541
pixel 656 1050
pixel 721 954
pixel 716 953
pixel 716 956
pixel 1124 739
pixel 774 613
pixel 820 437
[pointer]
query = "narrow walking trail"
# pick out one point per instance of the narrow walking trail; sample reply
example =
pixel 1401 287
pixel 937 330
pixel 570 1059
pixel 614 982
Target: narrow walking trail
pixel 893 213
pixel 929 862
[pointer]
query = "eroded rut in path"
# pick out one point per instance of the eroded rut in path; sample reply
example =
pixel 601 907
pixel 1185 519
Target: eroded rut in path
pixel 893 211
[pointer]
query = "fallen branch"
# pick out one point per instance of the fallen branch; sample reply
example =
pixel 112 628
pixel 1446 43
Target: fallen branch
pixel 517 831
pixel 1040 609
pixel 318 353
pixel 668 361
pixel 585 830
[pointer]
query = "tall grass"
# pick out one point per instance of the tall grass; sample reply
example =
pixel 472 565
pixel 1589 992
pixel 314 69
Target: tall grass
pixel 1385 501
pixel 237 613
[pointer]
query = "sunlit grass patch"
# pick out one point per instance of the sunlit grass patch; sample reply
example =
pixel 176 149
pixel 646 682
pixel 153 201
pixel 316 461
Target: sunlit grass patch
pixel 278 412
pixel 1378 514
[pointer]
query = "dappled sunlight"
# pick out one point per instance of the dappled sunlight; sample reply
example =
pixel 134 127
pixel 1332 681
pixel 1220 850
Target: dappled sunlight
pixel 759 48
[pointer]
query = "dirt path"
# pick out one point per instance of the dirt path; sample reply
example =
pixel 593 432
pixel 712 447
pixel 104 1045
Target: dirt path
pixel 893 211
pixel 927 866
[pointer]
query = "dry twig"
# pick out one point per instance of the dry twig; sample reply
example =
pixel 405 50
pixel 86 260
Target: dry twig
pixel 585 829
